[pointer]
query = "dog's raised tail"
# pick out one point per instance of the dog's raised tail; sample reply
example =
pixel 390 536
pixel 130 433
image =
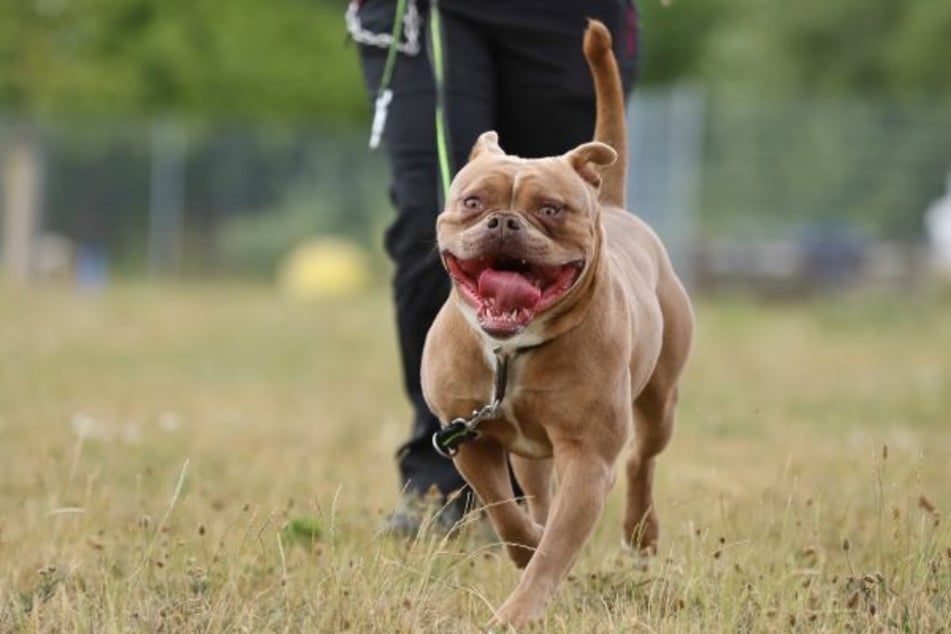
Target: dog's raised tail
pixel 609 126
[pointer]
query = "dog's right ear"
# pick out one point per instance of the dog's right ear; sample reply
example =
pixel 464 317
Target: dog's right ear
pixel 487 143
pixel 588 159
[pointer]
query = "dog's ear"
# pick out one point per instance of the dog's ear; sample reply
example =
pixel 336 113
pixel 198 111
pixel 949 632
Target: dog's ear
pixel 589 158
pixel 487 143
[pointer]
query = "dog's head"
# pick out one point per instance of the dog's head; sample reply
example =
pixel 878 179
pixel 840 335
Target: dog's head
pixel 517 235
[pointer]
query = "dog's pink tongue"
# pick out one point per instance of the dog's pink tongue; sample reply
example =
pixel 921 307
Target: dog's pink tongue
pixel 509 290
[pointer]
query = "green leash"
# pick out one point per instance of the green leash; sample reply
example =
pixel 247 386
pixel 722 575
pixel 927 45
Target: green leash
pixel 385 93
pixel 439 78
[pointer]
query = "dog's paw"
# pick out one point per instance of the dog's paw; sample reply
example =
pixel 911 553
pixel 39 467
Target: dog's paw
pixel 515 619
pixel 494 627
pixel 640 558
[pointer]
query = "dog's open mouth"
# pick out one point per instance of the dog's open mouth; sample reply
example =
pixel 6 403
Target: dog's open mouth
pixel 507 293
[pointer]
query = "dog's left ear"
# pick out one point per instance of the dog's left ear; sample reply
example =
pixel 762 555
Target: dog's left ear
pixel 487 143
pixel 589 158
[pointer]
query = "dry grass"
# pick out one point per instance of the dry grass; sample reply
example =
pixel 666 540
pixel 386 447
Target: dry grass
pixel 153 442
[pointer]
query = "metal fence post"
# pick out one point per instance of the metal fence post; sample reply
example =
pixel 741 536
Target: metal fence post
pixel 684 160
pixel 22 160
pixel 166 196
pixel 666 137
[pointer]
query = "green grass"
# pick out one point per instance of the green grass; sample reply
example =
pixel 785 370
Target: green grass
pixel 806 487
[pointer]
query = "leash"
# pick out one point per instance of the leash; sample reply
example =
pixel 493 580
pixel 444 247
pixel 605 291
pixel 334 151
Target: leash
pixel 385 94
pixel 446 441
pixel 439 79
pixel 437 58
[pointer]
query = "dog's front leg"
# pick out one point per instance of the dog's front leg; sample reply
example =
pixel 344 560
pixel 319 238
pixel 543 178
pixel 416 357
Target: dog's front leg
pixel 535 477
pixel 584 478
pixel 483 463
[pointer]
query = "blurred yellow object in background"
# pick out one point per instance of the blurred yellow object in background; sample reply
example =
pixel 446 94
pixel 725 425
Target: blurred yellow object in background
pixel 325 267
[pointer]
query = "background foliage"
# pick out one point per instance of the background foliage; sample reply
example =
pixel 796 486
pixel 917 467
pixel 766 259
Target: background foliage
pixel 237 60
pixel 288 60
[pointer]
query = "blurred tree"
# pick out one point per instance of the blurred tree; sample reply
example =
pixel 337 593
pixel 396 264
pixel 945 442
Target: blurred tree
pixel 47 53
pixel 674 38
pixel 247 59
pixel 827 78
pixel 918 59
pixel 877 48
pixel 242 59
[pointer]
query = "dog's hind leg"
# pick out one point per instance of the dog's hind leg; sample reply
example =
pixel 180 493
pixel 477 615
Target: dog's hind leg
pixel 653 427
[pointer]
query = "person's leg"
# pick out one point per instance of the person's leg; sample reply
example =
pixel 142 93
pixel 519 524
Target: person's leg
pixel 420 285
pixel 546 94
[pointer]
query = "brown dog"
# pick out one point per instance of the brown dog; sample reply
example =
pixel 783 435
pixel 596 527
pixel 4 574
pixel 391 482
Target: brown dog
pixel 566 308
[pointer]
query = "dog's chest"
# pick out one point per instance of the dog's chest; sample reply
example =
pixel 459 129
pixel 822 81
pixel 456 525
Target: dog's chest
pixel 518 428
pixel 526 437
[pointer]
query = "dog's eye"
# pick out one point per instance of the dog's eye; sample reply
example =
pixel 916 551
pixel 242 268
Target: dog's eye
pixel 472 203
pixel 550 211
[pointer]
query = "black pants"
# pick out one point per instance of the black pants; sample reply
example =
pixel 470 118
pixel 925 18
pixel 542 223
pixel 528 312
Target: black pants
pixel 514 66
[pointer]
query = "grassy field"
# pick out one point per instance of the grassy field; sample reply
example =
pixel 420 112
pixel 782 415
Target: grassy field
pixel 155 441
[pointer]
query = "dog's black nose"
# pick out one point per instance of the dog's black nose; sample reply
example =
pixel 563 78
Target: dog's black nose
pixel 505 221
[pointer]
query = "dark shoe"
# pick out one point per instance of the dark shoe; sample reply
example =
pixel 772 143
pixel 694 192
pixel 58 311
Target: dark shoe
pixel 420 514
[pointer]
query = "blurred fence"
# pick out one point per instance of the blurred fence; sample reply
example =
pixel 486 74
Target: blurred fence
pixel 160 197
pixel 738 185
pixel 786 196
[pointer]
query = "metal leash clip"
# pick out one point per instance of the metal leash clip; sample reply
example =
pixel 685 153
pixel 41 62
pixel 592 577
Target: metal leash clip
pixel 446 441
pixel 380 109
